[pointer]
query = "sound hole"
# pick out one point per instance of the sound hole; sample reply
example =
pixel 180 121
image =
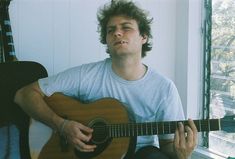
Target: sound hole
pixel 100 134
pixel 100 138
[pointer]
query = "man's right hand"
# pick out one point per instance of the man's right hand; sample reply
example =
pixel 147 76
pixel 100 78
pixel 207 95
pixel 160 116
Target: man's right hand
pixel 78 135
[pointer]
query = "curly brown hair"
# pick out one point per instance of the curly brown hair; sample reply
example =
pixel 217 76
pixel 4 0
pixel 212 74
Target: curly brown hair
pixel 129 9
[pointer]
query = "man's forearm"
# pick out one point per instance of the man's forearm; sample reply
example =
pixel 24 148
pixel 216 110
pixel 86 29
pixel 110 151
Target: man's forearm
pixel 33 104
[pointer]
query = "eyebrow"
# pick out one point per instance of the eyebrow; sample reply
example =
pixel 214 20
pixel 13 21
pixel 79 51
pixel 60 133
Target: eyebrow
pixel 124 23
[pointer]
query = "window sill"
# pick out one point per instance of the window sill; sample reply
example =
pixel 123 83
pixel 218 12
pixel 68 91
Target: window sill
pixel 204 153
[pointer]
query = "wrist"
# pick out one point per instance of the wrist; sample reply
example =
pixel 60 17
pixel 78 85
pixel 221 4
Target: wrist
pixel 57 123
pixel 62 126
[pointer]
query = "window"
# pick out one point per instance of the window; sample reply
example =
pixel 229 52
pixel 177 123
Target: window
pixel 220 72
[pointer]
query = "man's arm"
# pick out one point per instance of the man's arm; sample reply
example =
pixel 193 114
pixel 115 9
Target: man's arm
pixel 30 99
pixel 183 144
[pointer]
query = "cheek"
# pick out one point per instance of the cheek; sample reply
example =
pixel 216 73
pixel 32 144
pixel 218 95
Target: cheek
pixel 108 40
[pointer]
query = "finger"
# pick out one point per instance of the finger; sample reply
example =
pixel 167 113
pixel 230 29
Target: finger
pixel 84 147
pixel 84 132
pixel 85 128
pixel 181 134
pixel 192 125
pixel 84 150
pixel 194 129
pixel 176 138
pixel 84 137
pixel 189 138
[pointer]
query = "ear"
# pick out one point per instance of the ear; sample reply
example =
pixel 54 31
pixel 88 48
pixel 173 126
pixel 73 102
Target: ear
pixel 144 39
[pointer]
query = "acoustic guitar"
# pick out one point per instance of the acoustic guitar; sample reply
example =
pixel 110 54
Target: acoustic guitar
pixel 114 134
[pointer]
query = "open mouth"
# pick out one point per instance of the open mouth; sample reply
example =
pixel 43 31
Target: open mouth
pixel 120 42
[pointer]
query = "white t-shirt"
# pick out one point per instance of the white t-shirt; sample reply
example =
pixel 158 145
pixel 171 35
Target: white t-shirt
pixel 151 98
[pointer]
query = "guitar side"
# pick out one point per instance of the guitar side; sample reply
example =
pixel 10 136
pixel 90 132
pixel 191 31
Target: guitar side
pixel 46 144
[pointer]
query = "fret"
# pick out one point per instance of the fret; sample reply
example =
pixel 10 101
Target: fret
pixel 112 127
pixel 208 124
pixel 152 128
pixel 163 128
pixel 119 129
pixel 160 128
pixel 219 124
pixel 200 125
pixel 133 128
pixel 152 132
pixel 141 129
pixel 169 127
pixel 136 129
pixel 214 124
pixel 174 125
pixel 204 125
pixel 111 130
pixel 157 128
pixel 149 132
pixel 128 130
pixel 122 130
pixel 115 131
pixel 125 133
pixel 146 129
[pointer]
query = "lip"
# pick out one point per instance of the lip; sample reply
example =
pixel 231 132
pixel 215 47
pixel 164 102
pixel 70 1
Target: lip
pixel 120 42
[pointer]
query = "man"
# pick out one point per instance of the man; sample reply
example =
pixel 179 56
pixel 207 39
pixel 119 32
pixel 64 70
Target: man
pixel 147 95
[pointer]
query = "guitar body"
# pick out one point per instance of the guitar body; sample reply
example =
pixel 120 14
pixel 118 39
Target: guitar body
pixel 46 144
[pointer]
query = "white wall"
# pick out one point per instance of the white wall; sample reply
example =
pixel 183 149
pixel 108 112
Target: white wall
pixel 188 68
pixel 63 33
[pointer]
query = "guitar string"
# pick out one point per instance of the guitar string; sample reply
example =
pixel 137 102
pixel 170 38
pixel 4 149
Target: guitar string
pixel 117 129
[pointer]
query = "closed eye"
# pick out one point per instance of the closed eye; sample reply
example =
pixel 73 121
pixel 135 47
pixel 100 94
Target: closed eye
pixel 126 28
pixel 110 30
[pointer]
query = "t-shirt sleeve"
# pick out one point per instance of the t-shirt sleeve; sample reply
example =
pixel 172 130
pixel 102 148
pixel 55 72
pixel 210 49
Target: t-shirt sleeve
pixel 170 109
pixel 66 82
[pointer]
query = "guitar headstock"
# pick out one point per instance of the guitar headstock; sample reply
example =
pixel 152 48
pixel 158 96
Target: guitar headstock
pixel 228 124
pixel 4 3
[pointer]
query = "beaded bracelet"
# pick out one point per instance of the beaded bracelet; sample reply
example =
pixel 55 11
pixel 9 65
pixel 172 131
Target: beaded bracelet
pixel 61 130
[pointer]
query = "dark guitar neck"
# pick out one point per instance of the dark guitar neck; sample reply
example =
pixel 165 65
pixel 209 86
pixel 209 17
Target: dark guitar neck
pixel 151 128
pixel 7 50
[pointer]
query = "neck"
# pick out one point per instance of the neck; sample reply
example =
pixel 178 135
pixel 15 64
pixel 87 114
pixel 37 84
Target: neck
pixel 128 68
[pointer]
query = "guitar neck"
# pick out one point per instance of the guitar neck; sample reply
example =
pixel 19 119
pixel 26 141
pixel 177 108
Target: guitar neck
pixel 153 128
pixel 6 40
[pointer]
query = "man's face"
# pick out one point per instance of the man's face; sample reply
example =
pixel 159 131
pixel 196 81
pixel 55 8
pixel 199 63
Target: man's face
pixel 123 37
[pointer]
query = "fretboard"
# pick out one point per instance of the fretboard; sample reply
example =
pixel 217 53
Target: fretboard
pixel 153 128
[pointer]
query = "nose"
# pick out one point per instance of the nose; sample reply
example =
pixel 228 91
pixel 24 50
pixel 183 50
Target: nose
pixel 118 33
